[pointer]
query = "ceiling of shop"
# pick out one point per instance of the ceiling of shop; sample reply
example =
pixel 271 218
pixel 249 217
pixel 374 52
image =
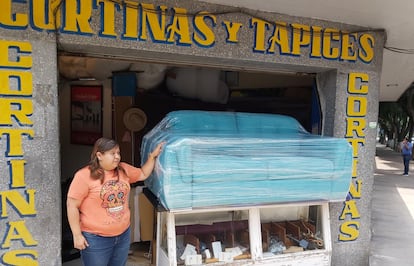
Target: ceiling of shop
pixel 396 17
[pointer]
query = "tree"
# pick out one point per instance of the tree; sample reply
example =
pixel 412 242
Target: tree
pixel 406 101
pixel 394 121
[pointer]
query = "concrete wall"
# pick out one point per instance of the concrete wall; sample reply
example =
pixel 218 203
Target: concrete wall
pixel 351 219
pixel 29 144
pixel 31 216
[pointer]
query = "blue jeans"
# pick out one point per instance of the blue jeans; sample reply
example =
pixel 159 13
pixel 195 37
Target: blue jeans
pixel 406 159
pixel 106 251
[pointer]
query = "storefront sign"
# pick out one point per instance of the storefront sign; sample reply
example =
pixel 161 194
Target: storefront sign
pixel 16 125
pixel 143 22
pixel 356 123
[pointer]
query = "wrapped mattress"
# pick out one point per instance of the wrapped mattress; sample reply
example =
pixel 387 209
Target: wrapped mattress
pixel 231 158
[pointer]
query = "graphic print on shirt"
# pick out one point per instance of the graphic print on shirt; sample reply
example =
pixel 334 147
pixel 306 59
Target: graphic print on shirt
pixel 113 195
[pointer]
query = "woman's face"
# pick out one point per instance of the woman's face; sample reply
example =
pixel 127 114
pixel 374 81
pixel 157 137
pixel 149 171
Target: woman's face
pixel 109 160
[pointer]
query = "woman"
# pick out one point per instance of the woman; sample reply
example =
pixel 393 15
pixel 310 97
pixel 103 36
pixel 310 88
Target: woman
pixel 97 204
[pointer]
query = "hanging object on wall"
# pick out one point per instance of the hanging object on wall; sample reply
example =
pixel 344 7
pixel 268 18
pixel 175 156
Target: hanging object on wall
pixel 124 83
pixel 86 114
pixel 127 136
pixel 135 119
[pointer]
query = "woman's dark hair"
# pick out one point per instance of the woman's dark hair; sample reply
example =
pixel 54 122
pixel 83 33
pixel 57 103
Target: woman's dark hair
pixel 102 145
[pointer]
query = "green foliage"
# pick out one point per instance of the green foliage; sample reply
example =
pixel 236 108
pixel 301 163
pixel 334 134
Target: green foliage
pixel 407 104
pixel 393 121
pixel 396 119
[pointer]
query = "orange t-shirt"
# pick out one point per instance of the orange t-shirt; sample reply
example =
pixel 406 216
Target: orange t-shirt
pixel 104 209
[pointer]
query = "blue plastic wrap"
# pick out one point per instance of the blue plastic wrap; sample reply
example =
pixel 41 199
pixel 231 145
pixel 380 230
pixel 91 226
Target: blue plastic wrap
pixel 232 158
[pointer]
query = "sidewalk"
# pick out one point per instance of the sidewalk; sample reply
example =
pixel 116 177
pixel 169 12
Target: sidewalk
pixel 392 217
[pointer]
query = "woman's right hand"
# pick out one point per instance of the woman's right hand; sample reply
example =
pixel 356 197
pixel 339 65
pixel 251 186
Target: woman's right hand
pixel 80 242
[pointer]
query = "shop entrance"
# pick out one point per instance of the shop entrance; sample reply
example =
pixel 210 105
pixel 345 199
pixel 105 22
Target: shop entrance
pixel 151 90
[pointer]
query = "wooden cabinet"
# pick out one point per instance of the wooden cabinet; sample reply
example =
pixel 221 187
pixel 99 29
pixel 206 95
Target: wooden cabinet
pixel 280 234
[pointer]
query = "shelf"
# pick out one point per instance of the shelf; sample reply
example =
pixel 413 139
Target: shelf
pixel 245 235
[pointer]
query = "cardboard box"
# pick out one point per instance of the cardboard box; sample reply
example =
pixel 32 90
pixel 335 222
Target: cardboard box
pixel 146 214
